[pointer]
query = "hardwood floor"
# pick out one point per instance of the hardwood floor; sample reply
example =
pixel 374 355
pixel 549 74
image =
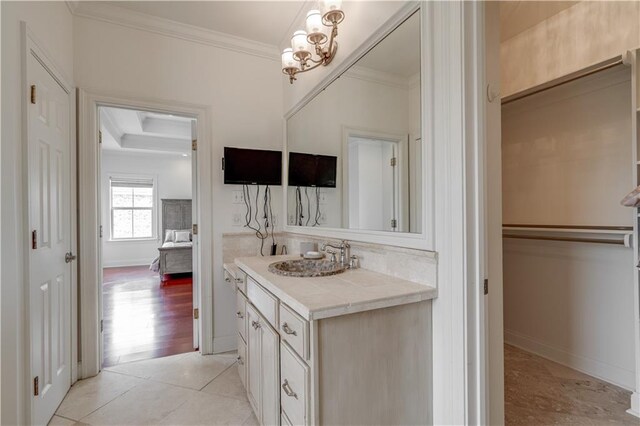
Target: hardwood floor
pixel 542 392
pixel 144 317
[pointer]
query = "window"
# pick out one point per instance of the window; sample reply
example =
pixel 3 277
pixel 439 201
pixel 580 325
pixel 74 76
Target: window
pixel 132 208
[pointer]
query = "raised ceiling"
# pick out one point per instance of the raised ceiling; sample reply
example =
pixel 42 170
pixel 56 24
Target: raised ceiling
pixel 519 16
pixel 264 21
pixel 142 131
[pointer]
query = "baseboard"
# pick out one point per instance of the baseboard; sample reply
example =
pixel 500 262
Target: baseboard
pixel 125 262
pixel 609 373
pixel 225 343
pixel 635 405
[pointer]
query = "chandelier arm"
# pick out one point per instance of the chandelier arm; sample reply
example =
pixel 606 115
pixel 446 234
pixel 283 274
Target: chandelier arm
pixel 334 34
pixel 312 67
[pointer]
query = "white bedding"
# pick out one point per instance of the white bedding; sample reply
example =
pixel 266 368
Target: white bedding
pixel 172 244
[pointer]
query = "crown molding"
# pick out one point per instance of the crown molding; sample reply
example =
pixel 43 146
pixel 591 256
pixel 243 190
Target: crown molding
pixel 379 77
pixel 142 21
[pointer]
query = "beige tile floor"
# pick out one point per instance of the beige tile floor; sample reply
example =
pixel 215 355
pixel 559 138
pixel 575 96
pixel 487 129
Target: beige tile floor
pixel 185 389
pixel 541 392
pixel 190 389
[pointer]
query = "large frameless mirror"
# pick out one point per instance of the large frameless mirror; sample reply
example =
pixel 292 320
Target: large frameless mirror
pixel 354 151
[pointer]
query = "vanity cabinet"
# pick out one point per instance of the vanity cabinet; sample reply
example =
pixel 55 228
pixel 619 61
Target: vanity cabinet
pixel 263 367
pixel 336 364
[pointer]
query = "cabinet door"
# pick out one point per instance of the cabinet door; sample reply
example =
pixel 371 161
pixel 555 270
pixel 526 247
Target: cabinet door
pixel 270 380
pixel 254 359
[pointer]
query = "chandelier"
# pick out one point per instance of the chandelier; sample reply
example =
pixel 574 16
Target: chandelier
pixel 316 46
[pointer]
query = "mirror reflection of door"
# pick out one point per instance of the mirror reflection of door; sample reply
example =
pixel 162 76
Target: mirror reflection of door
pixel 373 183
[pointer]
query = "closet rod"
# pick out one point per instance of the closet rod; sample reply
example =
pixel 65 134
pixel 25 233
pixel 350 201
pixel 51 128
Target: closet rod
pixel 574 240
pixel 576 227
pixel 602 66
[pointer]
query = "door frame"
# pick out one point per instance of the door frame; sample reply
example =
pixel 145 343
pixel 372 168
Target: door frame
pixel 401 187
pixel 89 225
pixel 32 46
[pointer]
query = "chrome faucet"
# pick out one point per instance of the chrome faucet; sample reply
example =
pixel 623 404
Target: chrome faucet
pixel 344 248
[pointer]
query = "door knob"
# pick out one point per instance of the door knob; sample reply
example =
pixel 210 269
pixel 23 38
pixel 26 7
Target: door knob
pixel 68 257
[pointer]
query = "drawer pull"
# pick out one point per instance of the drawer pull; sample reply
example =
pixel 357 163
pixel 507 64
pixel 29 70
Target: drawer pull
pixel 239 315
pixel 288 330
pixel 227 279
pixel 255 324
pixel 287 389
pixel 240 361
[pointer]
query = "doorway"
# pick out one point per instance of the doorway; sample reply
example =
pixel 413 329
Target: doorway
pixel 568 268
pixel 375 176
pixel 147 198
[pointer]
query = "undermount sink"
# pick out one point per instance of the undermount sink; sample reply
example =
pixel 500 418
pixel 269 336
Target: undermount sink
pixel 306 268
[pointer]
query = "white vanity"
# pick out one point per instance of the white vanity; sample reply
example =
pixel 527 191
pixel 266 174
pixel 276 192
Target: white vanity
pixel 352 348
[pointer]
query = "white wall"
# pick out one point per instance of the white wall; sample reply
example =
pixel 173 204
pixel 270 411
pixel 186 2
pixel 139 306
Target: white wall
pixel 172 173
pixel 51 22
pixel 356 103
pixel 566 161
pixel 243 91
pixel 584 34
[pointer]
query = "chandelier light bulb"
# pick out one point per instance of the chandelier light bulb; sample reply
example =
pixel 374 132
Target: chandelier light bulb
pixel 315 28
pixel 288 60
pixel 332 5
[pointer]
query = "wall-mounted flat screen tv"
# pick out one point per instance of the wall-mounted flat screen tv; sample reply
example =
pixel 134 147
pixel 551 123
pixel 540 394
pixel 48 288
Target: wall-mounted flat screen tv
pixel 252 167
pixel 312 170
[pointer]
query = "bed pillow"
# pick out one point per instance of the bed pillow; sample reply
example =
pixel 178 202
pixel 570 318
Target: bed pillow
pixel 168 235
pixel 183 230
pixel 182 236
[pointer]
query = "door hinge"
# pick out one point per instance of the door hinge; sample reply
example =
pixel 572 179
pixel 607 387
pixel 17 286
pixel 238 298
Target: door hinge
pixel 196 313
pixel 194 229
pixel 393 161
pixel 36 387
pixel 99 136
pixel 194 145
pixel 101 326
pixel 34 239
pixel 100 231
pixel 222 163
pixel 33 93
pixel 394 223
pixel 486 286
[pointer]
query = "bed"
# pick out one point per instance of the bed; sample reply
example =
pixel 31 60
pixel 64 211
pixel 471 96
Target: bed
pixel 176 254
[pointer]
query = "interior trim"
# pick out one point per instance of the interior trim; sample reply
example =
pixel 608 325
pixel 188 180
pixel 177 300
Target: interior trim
pixel 142 21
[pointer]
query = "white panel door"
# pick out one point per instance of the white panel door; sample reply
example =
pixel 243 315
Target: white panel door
pixel 254 360
pixel 49 172
pixel 270 374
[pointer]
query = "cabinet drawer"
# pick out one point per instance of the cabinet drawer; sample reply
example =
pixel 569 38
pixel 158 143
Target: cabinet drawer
pixel 241 282
pixel 294 385
pixel 295 330
pixel 266 303
pixel 242 361
pixel 241 315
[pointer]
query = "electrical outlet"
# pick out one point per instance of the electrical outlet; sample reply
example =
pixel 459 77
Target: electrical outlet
pixel 323 218
pixel 237 219
pixel 323 197
pixel 238 197
pixel 291 221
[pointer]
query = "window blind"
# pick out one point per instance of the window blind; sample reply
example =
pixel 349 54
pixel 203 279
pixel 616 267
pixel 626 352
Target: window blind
pixel 131 182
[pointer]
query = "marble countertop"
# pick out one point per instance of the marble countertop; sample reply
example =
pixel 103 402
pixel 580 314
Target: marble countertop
pixel 352 291
pixel 233 269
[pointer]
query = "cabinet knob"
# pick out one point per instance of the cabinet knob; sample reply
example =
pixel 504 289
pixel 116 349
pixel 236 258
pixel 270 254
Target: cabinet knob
pixel 255 324
pixel 287 389
pixel 240 361
pixel 288 330
pixel 239 315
